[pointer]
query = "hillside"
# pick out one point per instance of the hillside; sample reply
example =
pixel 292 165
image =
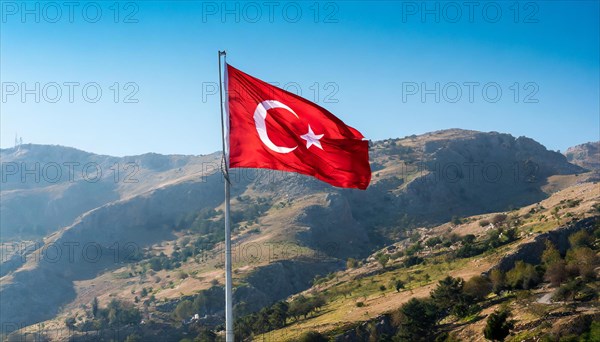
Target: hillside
pixel 160 239
pixel 366 293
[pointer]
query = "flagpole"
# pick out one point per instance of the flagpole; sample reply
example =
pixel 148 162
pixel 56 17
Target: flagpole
pixel 229 336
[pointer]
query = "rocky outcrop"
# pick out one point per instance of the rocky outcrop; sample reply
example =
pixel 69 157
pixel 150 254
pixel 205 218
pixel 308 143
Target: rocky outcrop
pixel 585 155
pixel 479 173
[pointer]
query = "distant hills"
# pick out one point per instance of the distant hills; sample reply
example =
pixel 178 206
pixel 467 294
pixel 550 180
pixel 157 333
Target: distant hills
pixel 46 187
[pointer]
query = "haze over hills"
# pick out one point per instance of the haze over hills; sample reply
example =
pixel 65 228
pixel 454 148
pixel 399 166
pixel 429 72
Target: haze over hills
pixel 174 206
pixel 46 187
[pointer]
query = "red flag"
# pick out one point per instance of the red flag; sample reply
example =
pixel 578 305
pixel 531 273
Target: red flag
pixel 272 128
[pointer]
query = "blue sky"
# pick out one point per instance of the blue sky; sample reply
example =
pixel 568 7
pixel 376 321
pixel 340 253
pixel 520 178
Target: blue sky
pixel 367 63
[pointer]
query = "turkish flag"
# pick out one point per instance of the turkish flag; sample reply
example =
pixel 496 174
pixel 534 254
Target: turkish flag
pixel 271 128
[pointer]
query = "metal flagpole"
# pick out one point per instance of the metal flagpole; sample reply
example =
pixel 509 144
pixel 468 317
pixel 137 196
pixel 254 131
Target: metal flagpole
pixel 225 170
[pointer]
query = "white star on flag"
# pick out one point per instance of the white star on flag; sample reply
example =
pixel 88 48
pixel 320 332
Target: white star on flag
pixel 312 138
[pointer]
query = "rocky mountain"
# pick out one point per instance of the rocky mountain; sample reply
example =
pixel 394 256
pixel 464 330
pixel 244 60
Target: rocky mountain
pixel 585 155
pixel 105 227
pixel 431 178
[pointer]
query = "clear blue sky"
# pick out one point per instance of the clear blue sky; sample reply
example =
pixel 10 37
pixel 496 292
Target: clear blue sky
pixel 365 59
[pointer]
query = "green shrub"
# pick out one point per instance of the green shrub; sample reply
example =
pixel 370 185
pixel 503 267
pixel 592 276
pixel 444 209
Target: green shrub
pixel 382 259
pixel 351 263
pixel 499 218
pixel 478 287
pixel 580 239
pixel 434 241
pixel 584 260
pixel 456 220
pixel 576 289
pixel 498 326
pixel 184 310
pixel 498 279
pixel 412 260
pixel 522 276
pixel 413 249
pixel 399 285
pixel 550 254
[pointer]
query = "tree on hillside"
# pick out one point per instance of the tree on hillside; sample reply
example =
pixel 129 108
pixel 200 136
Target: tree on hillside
pixel 119 313
pixel 70 322
pixel 556 273
pixel 498 279
pixel 478 287
pixel 382 259
pixel 555 266
pixel 317 302
pixel 200 303
pixel 584 260
pixel 399 285
pixel 278 314
pixel 449 297
pixel 498 326
pixel 267 319
pixel 468 239
pixel 434 241
pixel 499 219
pixel 456 220
pixel 95 307
pixel 550 254
pixel 261 323
pixel 522 276
pixel 184 310
pixel 580 239
pixel 299 307
pixel 418 318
